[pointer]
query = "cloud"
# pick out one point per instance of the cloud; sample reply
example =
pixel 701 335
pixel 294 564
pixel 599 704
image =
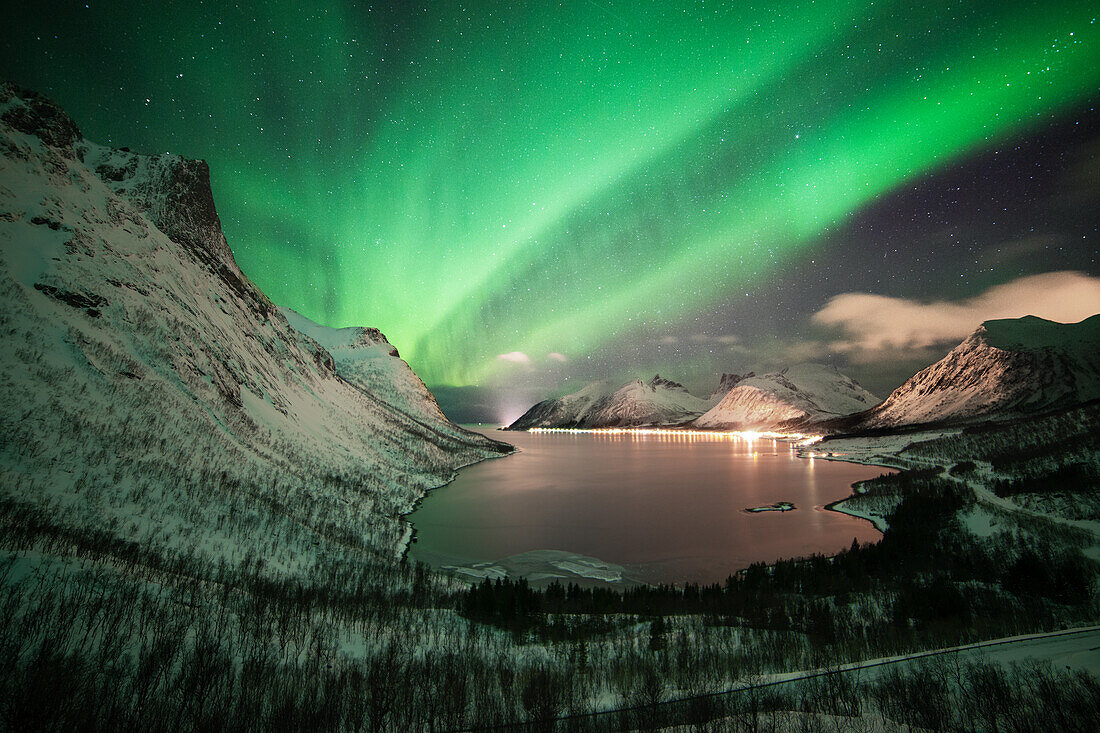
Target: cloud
pixel 555 356
pixel 516 357
pixel 875 326
pixel 797 352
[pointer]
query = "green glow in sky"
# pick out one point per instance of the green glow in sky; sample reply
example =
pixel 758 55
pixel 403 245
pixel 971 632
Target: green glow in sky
pixel 581 179
pixel 518 177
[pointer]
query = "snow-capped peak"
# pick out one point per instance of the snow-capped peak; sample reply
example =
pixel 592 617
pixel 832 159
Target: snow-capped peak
pixel 659 401
pixel 1006 368
pixel 799 393
pixel 364 356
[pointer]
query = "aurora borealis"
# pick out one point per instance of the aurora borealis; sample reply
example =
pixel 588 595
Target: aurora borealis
pixel 592 188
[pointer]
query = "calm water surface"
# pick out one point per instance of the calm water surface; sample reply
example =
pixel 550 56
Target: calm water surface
pixel 668 508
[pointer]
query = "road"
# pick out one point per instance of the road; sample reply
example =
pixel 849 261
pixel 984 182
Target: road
pixel 1077 649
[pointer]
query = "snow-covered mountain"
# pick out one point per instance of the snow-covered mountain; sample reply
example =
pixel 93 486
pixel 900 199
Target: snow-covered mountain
pixel 567 411
pixel 656 402
pixel 801 393
pixel 149 390
pixel 1006 368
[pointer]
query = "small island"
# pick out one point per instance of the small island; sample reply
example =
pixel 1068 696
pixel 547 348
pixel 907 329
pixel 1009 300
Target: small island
pixel 779 506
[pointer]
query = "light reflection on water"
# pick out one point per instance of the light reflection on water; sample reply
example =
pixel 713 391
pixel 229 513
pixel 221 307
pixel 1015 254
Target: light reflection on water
pixel 669 506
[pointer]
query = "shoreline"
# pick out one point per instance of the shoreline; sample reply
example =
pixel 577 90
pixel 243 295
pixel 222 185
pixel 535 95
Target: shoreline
pixel 876 521
pixel 410 529
pixel 539 567
pixel 880 451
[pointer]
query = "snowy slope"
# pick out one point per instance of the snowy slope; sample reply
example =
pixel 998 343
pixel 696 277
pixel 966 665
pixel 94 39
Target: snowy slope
pixel 558 412
pixel 368 360
pixel 148 389
pixel 799 393
pixel 656 402
pixel 1006 368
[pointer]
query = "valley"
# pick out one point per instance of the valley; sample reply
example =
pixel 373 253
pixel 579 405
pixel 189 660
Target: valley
pixel 204 501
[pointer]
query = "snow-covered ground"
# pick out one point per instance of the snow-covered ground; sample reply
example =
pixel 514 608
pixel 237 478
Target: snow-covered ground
pixel 1076 649
pixel 992 514
pixel 1073 650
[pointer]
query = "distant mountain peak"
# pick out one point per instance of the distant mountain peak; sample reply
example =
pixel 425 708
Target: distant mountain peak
pixel 659 401
pixel 1005 368
pixel 659 381
pixel 799 393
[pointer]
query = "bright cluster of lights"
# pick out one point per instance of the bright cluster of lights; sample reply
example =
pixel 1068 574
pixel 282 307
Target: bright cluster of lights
pixel 800 439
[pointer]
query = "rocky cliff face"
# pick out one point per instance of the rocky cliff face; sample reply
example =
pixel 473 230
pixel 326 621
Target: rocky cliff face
pixel 1006 368
pixel 799 394
pixel 154 390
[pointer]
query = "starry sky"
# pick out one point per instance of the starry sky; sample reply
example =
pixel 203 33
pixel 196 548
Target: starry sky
pixel 527 196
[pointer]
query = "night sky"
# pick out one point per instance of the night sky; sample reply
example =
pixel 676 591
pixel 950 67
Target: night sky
pixel 527 196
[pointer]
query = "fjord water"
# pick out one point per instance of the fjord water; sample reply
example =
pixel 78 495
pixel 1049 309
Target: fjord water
pixel 669 508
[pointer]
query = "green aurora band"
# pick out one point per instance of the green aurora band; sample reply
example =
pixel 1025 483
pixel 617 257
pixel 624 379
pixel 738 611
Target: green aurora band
pixel 519 177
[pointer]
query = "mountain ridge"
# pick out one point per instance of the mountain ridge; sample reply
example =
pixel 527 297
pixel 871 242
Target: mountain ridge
pixel 797 394
pixel 749 401
pixel 155 389
pixel 637 403
pixel 1005 368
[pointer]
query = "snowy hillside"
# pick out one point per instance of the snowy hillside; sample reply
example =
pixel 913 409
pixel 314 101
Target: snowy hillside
pixel 563 411
pixel 798 393
pixel 656 402
pixel 149 390
pixel 364 357
pixel 1005 368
